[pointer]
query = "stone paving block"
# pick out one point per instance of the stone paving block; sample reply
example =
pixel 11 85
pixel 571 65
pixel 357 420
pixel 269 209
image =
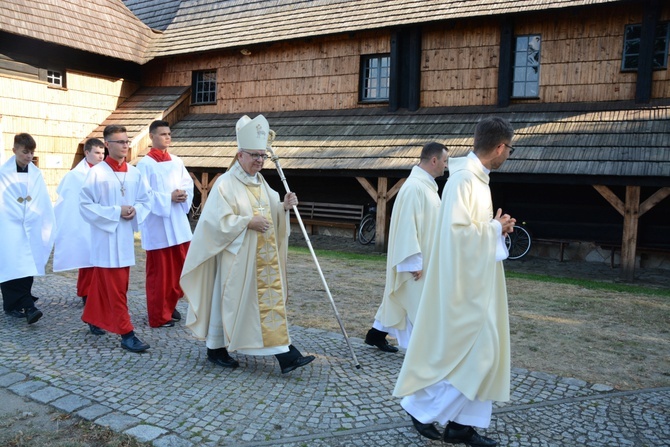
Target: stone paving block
pixel 11 378
pixel 601 387
pixel 117 421
pixel 25 388
pixel 93 412
pixel 70 403
pixel 48 394
pixel 145 433
pixel 172 441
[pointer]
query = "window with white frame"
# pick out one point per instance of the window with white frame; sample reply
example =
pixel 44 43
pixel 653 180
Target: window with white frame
pixel 203 89
pixel 526 77
pixel 375 77
pixel 55 78
pixel 631 47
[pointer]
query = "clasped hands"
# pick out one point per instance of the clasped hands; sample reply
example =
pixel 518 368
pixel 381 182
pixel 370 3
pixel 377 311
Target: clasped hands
pixel 127 212
pixel 179 195
pixel 506 221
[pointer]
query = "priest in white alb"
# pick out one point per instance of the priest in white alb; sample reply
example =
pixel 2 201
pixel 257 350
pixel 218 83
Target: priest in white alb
pixel 114 200
pixel 166 232
pixel 72 245
pixel 458 359
pixel 413 220
pixel 26 225
pixel 234 276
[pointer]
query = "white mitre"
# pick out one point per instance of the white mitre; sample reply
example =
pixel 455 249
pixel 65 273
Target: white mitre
pixel 252 134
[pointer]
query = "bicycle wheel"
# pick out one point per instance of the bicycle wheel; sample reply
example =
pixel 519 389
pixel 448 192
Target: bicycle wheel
pixel 367 230
pixel 518 242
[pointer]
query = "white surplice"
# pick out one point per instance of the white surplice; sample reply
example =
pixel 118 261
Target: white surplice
pixel 167 225
pixel 100 201
pixel 26 222
pixel 72 247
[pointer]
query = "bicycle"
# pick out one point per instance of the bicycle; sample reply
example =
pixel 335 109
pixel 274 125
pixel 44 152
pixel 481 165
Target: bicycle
pixel 367 229
pixel 518 242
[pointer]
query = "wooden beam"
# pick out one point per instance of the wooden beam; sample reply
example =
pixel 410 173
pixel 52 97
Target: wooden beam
pixel 368 187
pixel 654 199
pixel 394 190
pixel 611 198
pixel 380 234
pixel 629 239
pixel 196 182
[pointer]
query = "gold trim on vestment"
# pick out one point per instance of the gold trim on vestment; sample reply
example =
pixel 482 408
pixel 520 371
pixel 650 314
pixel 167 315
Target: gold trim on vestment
pixel 274 326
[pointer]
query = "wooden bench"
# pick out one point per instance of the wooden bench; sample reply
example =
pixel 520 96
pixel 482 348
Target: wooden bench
pixel 336 215
pixel 562 243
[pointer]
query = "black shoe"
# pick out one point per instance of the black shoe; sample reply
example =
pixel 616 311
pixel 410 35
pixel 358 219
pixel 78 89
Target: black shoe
pixel 426 430
pixel 466 435
pixel 176 316
pixel 168 324
pixel 297 363
pixel 95 330
pixel 33 314
pixel 16 313
pixel 377 338
pixel 134 344
pixel 222 358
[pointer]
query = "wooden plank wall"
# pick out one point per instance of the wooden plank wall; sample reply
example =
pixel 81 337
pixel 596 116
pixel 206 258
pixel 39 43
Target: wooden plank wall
pixel 58 119
pixel 315 75
pixel 580 61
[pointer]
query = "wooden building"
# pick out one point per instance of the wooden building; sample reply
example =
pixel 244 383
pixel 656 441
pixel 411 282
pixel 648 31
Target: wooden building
pixel 64 68
pixel 354 89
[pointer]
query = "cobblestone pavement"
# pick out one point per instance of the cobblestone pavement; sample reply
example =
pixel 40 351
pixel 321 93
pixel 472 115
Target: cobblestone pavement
pixel 172 396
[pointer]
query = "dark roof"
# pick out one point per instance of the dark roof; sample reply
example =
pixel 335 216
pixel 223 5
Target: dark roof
pixel 103 27
pixel 594 139
pixel 206 25
pixel 156 14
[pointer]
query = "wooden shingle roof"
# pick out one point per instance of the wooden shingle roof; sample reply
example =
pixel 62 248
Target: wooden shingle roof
pixel 601 139
pixel 104 27
pixel 206 25
pixel 144 106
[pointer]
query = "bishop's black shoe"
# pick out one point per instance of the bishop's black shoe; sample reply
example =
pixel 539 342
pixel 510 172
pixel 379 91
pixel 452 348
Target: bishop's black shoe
pixel 426 430
pixel 222 358
pixel 377 338
pixel 297 363
pixel 464 434
pixel 176 316
pixel 33 314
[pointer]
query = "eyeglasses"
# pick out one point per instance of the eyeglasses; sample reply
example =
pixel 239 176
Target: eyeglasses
pixel 255 157
pixel 123 142
pixel 511 148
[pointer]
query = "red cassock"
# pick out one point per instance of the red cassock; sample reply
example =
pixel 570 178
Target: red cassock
pixel 162 284
pixel 107 305
pixel 84 281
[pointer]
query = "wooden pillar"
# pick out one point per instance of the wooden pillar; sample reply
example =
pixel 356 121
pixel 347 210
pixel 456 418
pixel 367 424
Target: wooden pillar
pixel 631 210
pixel 204 185
pixel 382 196
pixel 629 239
pixel 380 235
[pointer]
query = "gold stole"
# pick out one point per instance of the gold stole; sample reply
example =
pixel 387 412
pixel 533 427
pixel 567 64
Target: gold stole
pixel 274 326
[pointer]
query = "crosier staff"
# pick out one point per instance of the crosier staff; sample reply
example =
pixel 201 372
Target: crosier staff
pixel 275 160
